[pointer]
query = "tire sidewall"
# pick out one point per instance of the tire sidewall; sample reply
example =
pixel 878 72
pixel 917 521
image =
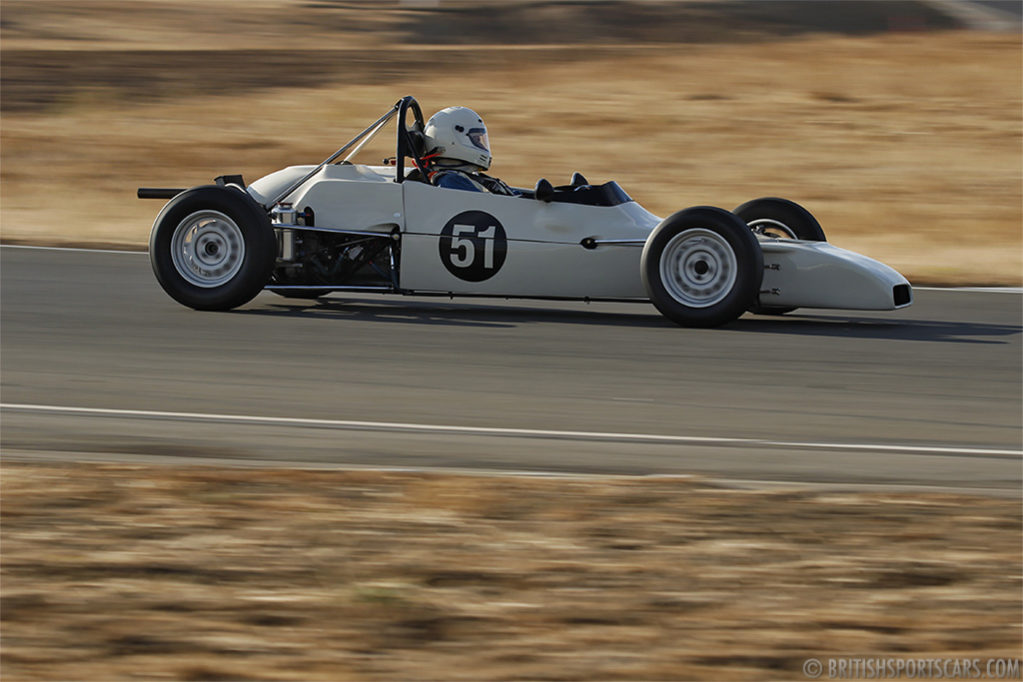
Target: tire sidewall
pixel 257 235
pixel 749 260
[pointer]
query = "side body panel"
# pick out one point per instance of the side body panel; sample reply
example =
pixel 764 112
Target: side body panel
pixel 474 243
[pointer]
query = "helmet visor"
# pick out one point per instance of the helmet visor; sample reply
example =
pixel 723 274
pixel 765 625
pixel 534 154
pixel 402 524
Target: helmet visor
pixel 478 137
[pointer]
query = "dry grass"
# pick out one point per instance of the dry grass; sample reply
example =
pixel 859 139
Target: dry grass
pixel 907 146
pixel 118 571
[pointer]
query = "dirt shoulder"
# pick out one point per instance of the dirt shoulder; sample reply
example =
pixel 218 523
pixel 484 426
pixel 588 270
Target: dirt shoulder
pixel 191 573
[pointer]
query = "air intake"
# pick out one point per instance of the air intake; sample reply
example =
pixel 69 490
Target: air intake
pixel 903 295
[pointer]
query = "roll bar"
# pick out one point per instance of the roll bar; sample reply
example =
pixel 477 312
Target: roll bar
pixel 406 147
pixel 400 105
pixel 406 143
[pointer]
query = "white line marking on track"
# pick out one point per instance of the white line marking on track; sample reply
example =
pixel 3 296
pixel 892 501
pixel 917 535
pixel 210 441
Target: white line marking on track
pixel 506 432
pixel 79 456
pixel 737 484
pixel 71 248
pixel 975 290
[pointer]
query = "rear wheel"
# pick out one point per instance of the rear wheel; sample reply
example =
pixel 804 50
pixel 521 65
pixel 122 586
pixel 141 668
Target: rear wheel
pixel 702 267
pixel 780 219
pixel 212 248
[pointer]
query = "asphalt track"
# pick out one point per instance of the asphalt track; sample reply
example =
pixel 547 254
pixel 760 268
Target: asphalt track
pixel 96 362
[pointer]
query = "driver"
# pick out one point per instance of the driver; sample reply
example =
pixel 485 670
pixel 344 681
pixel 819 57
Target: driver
pixel 458 151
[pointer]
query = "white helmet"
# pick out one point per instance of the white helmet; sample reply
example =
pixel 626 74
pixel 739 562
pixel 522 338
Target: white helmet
pixel 458 137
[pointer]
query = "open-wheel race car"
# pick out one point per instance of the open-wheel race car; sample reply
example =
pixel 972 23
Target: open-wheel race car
pixel 306 231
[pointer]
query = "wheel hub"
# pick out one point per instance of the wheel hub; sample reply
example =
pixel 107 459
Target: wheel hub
pixel 207 248
pixel 699 268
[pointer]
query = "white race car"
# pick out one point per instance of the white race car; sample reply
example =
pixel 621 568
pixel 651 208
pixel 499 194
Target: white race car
pixel 305 231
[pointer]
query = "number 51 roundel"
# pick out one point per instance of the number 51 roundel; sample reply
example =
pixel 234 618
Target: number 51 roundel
pixel 473 246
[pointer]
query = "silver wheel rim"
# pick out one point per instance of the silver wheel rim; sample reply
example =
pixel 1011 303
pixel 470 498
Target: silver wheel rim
pixel 698 268
pixel 772 228
pixel 207 249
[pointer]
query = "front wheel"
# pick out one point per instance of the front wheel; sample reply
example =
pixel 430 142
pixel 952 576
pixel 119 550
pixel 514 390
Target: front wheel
pixel 212 248
pixel 702 267
pixel 779 219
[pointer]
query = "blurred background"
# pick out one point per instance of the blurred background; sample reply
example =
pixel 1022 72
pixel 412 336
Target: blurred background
pixel 898 123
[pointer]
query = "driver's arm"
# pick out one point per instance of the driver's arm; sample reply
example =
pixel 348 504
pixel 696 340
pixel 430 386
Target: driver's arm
pixel 496 186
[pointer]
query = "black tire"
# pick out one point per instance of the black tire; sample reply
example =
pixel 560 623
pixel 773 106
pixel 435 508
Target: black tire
pixel 702 267
pixel 212 248
pixel 782 219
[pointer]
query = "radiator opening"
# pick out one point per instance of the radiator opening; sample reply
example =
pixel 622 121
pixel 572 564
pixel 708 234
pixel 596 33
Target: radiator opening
pixel 903 295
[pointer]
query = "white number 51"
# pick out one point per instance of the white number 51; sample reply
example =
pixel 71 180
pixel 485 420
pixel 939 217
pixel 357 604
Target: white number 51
pixel 463 249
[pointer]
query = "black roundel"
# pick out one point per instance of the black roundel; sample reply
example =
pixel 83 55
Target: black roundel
pixel 473 246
